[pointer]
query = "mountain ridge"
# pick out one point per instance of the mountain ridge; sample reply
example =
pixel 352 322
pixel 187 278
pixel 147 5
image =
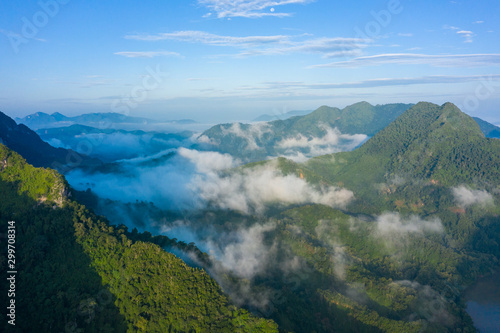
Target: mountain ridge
pixel 40 120
pixel 37 152
pixel 253 142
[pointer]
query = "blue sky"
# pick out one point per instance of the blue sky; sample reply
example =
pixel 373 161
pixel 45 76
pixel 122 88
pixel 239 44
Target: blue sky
pixel 218 60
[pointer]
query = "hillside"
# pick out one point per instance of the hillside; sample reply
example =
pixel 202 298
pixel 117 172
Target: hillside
pixel 37 152
pixel 76 272
pixel 438 144
pixel 423 225
pixel 325 129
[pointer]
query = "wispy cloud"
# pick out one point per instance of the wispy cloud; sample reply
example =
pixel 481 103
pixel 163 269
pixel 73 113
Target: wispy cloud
pixel 267 45
pixel 383 82
pixel 248 9
pixel 455 60
pixel 405 35
pixel 194 36
pixel 148 54
pixel 467 35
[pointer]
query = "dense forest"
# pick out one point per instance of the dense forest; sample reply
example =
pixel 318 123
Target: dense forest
pixel 422 225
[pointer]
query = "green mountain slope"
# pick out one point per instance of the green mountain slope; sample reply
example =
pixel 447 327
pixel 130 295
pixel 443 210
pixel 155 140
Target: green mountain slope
pixel 424 224
pixel 432 143
pixel 76 272
pixel 253 142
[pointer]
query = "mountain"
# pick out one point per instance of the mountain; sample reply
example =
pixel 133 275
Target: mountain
pixel 282 116
pixel 43 120
pixel 489 130
pixel 112 144
pixel 423 224
pixel 434 143
pixel 37 152
pixel 77 272
pixel 325 129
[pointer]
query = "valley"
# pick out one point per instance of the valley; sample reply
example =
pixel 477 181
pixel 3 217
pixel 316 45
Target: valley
pixel 381 236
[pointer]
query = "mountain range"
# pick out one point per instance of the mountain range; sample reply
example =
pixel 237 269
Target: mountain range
pixel 328 127
pixel 384 238
pixel 41 120
pixel 36 151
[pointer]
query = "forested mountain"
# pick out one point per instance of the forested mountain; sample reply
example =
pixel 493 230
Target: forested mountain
pixel 326 127
pixel 77 273
pixel 423 224
pixel 37 152
pixel 489 130
pixel 381 239
pixel 430 143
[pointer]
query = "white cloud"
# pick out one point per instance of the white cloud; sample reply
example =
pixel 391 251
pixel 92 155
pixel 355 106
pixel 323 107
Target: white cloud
pixel 467 35
pixel 466 197
pixel 251 189
pixel 329 47
pixel 333 141
pixel 250 134
pixel 248 9
pixel 455 60
pixel 193 36
pixel 389 224
pixel 247 256
pixel 148 54
pixel 206 162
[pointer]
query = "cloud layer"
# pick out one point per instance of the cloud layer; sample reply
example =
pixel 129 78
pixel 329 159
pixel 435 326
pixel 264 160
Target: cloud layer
pixel 455 60
pixel 196 180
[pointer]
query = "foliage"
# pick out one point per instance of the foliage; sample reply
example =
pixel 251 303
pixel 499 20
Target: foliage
pixel 79 272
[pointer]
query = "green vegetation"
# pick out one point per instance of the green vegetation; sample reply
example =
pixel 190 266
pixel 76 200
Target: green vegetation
pixel 257 142
pixel 77 272
pixel 424 224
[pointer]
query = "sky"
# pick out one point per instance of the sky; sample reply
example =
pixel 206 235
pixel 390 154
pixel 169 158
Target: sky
pixel 220 60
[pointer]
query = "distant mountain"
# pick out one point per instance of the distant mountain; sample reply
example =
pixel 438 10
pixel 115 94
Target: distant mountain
pixel 489 130
pixel 37 152
pixel 43 120
pixel 102 120
pixel 325 129
pixel 281 116
pixel 111 144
